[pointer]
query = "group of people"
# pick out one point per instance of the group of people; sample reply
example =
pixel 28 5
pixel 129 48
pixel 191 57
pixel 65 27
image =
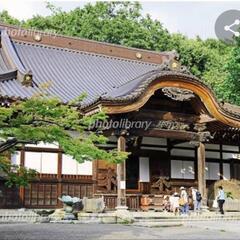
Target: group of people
pixel 179 203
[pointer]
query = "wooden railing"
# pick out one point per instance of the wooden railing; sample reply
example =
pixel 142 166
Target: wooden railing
pixel 64 176
pixel 46 176
pixel 77 177
pixel 133 201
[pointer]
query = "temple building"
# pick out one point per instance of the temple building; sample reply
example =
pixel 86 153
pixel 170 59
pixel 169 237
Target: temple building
pixel 177 131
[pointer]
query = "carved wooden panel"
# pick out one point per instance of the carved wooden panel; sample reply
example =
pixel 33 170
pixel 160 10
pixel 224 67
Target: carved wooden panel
pixel 105 177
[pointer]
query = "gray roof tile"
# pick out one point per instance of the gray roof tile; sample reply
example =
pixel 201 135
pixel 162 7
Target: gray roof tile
pixel 72 73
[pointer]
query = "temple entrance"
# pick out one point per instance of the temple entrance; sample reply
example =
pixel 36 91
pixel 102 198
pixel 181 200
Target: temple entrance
pixel 159 165
pixel 147 168
pixel 132 172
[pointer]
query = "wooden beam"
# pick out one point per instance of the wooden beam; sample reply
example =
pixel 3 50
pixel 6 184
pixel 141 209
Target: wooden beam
pixel 170 134
pixel 121 177
pixel 165 115
pixel 22 189
pixel 59 178
pixel 201 156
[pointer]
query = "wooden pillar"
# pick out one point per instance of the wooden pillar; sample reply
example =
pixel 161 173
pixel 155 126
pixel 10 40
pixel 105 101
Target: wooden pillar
pixel 221 161
pixel 22 189
pixel 59 178
pixel 121 177
pixel 201 170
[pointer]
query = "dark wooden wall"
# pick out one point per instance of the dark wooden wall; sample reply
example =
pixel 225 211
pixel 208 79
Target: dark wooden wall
pixel 44 192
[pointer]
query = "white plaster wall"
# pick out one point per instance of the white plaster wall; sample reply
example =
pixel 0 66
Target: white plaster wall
pixel 230 148
pixel 212 146
pixel 212 171
pixel 228 155
pixel 43 145
pixel 212 154
pixel 33 160
pixel 84 168
pixel 176 169
pixel 155 148
pixel 15 158
pixel 71 166
pixel 182 152
pixel 226 171
pixel 188 167
pixel 42 162
pixel 185 144
pixel 144 169
pixel 49 163
pixel 182 169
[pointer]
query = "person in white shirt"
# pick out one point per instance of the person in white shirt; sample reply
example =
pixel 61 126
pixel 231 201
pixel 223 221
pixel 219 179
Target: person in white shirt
pixel 174 202
pixel 184 200
pixel 221 199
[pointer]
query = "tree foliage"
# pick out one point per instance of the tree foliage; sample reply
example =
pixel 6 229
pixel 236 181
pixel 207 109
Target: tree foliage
pixel 43 118
pixel 231 87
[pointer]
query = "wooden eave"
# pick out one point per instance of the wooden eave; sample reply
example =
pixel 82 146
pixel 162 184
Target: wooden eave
pixel 189 83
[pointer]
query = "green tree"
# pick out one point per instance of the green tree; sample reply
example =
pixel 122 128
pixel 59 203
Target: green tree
pixel 231 85
pixel 112 22
pixel 42 118
pixel 6 18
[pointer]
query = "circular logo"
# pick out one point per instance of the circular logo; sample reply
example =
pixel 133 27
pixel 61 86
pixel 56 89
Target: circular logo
pixel 227 25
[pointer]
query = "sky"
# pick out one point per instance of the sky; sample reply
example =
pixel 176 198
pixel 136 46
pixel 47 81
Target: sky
pixel 191 18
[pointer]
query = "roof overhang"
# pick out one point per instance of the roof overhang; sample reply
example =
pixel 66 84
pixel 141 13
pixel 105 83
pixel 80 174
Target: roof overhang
pixel 160 80
pixel 16 70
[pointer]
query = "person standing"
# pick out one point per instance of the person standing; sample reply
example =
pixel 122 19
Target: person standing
pixel 184 200
pixel 197 199
pixel 221 199
pixel 174 201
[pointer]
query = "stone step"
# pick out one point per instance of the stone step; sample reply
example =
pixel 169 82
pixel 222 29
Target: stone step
pixel 186 219
pixel 157 224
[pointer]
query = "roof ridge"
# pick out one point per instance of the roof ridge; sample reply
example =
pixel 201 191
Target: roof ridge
pixel 47 38
pixel 81 38
pixel 84 53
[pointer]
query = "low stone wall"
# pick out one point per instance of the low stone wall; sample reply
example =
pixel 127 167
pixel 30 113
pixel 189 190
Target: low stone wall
pixel 18 216
pixel 232 205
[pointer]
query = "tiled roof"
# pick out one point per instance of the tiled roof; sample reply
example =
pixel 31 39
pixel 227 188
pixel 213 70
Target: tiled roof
pixel 102 71
pixel 71 72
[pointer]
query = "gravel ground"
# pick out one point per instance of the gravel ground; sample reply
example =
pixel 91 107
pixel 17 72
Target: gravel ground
pixel 196 230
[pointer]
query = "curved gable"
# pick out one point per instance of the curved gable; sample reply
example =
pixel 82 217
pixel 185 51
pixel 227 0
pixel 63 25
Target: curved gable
pixel 135 94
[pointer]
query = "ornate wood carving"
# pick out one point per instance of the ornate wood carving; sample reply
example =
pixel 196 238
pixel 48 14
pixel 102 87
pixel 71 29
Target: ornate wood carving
pixel 178 94
pixel 108 180
pixel 163 185
pixel 200 127
pixel 171 125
